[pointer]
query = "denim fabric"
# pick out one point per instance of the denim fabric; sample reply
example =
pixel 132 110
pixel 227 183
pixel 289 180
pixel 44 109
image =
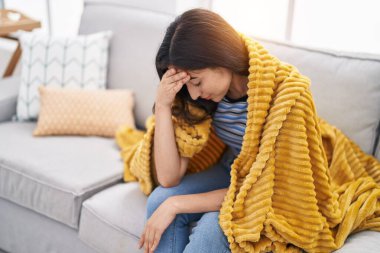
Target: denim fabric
pixel 206 236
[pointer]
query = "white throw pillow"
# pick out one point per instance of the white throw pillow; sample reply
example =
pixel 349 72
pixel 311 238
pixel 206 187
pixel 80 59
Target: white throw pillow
pixel 61 61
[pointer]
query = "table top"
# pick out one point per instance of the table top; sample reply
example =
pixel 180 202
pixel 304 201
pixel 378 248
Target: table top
pixel 12 21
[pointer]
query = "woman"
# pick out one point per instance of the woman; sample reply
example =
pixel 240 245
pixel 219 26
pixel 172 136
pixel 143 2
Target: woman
pixel 202 60
pixel 287 181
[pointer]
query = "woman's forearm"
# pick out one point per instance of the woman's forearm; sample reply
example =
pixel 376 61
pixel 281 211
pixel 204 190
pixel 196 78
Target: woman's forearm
pixel 167 160
pixel 200 202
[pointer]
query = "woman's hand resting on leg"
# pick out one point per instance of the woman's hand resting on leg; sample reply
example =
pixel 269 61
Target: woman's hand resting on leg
pixel 156 225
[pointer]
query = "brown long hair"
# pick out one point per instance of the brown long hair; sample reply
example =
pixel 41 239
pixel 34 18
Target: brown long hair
pixel 195 40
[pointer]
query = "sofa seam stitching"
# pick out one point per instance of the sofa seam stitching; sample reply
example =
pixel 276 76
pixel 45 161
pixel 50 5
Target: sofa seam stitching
pixel 73 219
pixel 7 167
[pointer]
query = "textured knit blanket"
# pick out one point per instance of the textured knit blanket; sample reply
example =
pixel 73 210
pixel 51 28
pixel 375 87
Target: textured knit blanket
pixel 298 183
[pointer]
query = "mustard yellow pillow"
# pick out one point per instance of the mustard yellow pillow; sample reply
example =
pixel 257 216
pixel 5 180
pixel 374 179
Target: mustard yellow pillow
pixel 74 111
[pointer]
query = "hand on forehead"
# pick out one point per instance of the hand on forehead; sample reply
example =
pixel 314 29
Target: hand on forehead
pixel 175 68
pixel 178 69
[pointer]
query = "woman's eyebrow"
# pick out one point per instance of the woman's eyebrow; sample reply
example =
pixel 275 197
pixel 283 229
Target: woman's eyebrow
pixel 193 77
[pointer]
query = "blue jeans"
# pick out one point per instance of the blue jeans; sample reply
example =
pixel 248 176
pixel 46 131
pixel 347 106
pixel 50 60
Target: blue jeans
pixel 206 236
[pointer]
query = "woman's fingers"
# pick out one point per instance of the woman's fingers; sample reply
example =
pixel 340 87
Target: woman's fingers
pixel 151 241
pixel 172 76
pixel 177 77
pixel 151 247
pixel 156 241
pixel 170 84
pixel 169 72
pixel 178 85
pixel 147 235
pixel 142 239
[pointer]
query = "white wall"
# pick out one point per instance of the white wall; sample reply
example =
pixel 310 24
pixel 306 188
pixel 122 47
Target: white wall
pixel 262 18
pixel 65 14
pixel 65 17
pixel 343 25
pixel 347 25
pixel 350 25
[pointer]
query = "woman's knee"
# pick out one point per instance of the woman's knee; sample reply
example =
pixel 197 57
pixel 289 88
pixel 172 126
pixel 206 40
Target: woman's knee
pixel 158 196
pixel 207 235
pixel 209 223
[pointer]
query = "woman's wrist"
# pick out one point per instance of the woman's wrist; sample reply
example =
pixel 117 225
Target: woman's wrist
pixel 174 204
pixel 160 106
pixel 196 203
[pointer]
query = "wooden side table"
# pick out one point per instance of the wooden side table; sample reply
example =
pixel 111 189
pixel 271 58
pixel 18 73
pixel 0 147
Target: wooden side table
pixel 13 21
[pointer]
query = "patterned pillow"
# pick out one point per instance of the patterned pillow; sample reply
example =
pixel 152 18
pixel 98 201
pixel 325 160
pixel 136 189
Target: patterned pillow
pixel 76 61
pixel 74 111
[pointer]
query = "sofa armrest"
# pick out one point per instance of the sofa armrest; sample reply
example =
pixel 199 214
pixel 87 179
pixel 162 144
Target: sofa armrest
pixel 9 88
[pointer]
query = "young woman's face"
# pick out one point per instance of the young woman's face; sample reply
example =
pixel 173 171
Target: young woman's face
pixel 211 84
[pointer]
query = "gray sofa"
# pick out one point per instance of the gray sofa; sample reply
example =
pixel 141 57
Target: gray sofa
pixel 66 193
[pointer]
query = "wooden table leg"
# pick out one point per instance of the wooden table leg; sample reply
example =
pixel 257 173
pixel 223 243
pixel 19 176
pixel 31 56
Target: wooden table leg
pixel 13 61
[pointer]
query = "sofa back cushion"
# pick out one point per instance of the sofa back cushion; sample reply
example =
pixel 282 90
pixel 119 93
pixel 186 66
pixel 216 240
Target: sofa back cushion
pixel 73 111
pixel 59 61
pixel 139 27
pixel 345 87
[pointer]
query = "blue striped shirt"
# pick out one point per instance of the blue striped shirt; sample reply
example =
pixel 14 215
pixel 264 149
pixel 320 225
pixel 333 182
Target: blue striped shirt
pixel 230 120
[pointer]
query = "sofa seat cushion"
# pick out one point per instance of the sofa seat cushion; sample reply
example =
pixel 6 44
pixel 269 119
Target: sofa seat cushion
pixel 117 215
pixel 364 241
pixel 54 175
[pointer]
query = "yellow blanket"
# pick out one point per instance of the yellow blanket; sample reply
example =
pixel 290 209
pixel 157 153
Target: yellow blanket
pixel 298 183
pixel 137 149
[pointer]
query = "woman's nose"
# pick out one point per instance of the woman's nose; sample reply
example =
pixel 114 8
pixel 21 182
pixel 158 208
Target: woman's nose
pixel 194 93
